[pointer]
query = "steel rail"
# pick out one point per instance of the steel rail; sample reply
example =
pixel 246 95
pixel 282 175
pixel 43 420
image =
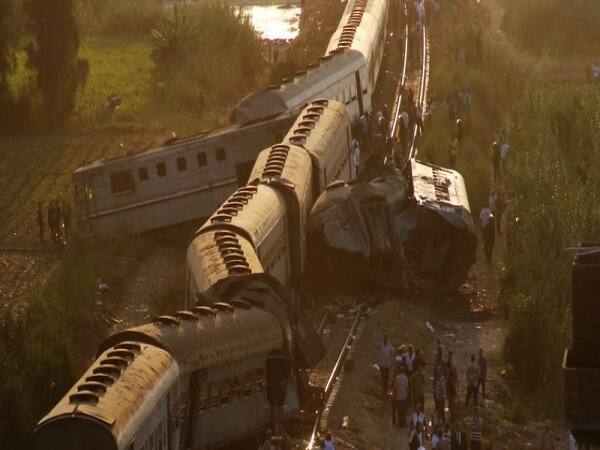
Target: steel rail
pixel 422 90
pixel 332 376
pixel 401 84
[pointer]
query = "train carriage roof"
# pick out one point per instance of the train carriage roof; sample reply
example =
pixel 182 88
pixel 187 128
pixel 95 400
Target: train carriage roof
pixel 110 401
pixel 199 141
pixel 218 254
pixel 295 93
pixel 313 129
pixel 252 211
pixel 438 188
pixel 359 25
pixel 211 336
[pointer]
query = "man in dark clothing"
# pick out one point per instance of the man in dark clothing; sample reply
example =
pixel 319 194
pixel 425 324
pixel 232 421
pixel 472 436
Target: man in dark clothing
pixel 496 159
pixel 40 221
pixel 482 362
pixel 458 441
pixel 52 220
pixel 66 218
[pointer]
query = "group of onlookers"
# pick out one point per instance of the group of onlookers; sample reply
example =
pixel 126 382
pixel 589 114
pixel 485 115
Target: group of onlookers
pixel 58 220
pixel 402 371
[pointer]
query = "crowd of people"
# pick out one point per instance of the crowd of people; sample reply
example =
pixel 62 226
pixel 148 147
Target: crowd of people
pixel 403 379
pixel 58 220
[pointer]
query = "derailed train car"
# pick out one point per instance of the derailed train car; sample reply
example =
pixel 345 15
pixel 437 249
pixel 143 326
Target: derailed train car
pixel 405 230
pixel 194 380
pixel 271 213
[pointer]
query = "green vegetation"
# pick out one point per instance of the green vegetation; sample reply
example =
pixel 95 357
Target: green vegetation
pixel 318 22
pixel 54 56
pixel 47 346
pixel 556 143
pixel 555 27
pixel 217 53
pixel 475 63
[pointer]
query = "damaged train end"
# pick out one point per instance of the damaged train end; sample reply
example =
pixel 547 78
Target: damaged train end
pixel 394 230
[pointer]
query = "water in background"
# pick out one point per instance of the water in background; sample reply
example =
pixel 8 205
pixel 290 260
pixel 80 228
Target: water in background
pixel 274 22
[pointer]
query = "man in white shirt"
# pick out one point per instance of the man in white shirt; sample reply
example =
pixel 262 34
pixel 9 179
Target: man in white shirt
pixel 386 356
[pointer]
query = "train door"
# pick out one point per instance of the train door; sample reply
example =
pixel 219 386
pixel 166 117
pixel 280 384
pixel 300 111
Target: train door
pixel 198 396
pixel 175 414
pixel 359 94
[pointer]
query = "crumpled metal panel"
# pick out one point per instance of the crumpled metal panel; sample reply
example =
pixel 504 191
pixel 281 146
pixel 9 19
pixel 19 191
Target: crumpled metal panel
pixel 422 225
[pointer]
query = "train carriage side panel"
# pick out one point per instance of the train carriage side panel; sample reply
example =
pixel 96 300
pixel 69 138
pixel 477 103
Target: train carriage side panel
pixel 288 168
pixel 179 182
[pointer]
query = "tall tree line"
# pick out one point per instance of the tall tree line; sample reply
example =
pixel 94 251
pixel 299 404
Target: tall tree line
pixel 52 53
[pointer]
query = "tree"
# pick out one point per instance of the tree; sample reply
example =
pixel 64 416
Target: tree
pixel 54 55
pixel 7 63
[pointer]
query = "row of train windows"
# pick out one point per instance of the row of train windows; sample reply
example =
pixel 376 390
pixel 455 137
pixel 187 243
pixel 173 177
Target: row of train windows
pixel 122 181
pixel 220 393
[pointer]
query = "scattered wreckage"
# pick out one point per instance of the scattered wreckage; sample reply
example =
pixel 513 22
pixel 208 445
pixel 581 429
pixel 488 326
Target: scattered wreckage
pixel 391 228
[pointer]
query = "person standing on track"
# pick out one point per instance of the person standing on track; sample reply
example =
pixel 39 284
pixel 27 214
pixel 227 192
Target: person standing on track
pixel 453 152
pixel 473 374
pixel 417 386
pixel 386 355
pixel 496 158
pixel 452 385
pixel 400 401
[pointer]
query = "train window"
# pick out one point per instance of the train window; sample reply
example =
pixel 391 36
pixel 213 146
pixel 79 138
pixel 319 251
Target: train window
pixel 121 182
pixel 161 169
pixel 201 158
pixel 181 164
pixel 249 379
pixel 225 391
pixel 220 153
pixel 203 394
pixel 213 399
pixel 143 174
pixel 236 388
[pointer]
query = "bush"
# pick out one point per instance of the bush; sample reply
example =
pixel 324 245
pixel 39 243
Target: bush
pixel 122 17
pixel 555 148
pixel 222 60
pixel 555 27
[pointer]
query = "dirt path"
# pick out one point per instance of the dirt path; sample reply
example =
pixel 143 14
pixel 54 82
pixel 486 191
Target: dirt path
pixel 153 289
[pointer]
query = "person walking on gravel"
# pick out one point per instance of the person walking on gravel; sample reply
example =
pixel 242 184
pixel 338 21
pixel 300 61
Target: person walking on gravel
pixel 488 231
pixel 386 355
pixel 452 385
pixel 400 401
pixel 482 363
pixel 417 387
pixel 473 375
pixel 439 396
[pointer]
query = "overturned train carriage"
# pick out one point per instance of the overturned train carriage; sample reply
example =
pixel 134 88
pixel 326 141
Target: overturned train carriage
pixel 390 228
pixel 198 379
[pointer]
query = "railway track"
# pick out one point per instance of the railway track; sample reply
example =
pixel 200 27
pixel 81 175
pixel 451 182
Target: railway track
pixel 333 378
pixel 423 75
